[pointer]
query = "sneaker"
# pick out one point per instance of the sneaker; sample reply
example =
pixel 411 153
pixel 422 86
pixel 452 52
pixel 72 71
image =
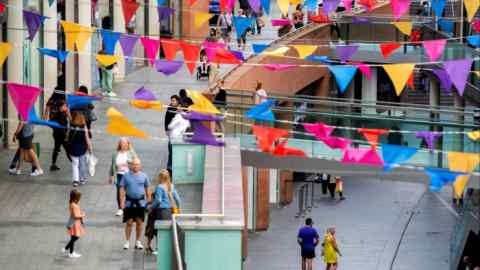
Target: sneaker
pixel 75 183
pixel 111 94
pixel 126 245
pixel 54 168
pixel 138 245
pixel 37 172
pixel 83 181
pixel 18 172
pixel 155 252
pixel 12 170
pixel 119 213
pixel 74 255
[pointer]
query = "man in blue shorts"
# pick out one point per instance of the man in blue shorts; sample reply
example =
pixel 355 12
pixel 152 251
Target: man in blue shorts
pixel 308 239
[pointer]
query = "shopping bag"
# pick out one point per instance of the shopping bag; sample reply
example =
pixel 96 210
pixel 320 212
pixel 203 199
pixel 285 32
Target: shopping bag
pixel 92 162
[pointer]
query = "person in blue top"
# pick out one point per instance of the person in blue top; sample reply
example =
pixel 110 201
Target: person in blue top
pixel 308 239
pixel 165 202
pixel 134 195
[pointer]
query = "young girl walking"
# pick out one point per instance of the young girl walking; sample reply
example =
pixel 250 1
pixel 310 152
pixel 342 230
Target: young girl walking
pixel 74 224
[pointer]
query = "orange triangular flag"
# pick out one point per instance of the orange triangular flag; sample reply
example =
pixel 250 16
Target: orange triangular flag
pixel 462 162
pixel 191 53
pixel 410 81
pixel 119 125
pixel 200 18
pixel 372 134
pixel 388 48
pixel 266 136
pixel 399 74
pixel 5 49
pixel 170 48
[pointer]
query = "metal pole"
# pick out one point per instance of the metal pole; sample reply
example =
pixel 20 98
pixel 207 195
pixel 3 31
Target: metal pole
pixel 313 194
pixel 300 203
pixel 461 21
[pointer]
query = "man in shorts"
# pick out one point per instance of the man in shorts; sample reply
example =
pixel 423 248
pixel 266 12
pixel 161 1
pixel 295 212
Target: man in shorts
pixel 308 239
pixel 134 195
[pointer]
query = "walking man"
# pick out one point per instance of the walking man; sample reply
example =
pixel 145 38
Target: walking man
pixel 308 239
pixel 133 197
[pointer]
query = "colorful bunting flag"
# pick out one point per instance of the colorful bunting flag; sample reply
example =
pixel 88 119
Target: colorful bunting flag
pixel 311 5
pixel 320 130
pixel 399 74
pixel 336 142
pixel 2 7
pixel 348 5
pixel 399 8
pixel 106 60
pixel 127 42
pixel 109 40
pixel 283 6
pixel 35 120
pixel 255 5
pixel 241 24
pixel 319 58
pixel 282 150
pixel 60 55
pixel 78 102
pixel 201 103
pixel 191 2
pixel 146 105
pixel 280 22
pixel 388 48
pixel 404 27
pixel 143 93
pixel 474 40
pixel 83 36
pixel 458 71
pixel 445 81
pixel 368 4
pixel 164 12
pixel 446 25
pixel 5 49
pixel 33 22
pixel 238 55
pixel 429 137
pixel 200 18
pixel 319 18
pixel 345 52
pixel 365 69
pixel 168 67
pixel 119 125
pixel 224 56
pixel 410 82
pixel 262 111
pixel 170 48
pixel 434 48
pixel 438 6
pixel 259 48
pixel 129 8
pixel 266 136
pixel 395 155
pixel 330 6
pixel 372 135
pixel 151 47
pixel 474 135
pixel 363 156
pixel 471 6
pixel 440 177
pixel 277 52
pixel 23 97
pixel 203 135
pixel 476 25
pixel 279 67
pixel 191 52
pixel 305 50
pixel 76 35
pixel 462 162
pixel 202 117
pixel 343 75
pixel 266 6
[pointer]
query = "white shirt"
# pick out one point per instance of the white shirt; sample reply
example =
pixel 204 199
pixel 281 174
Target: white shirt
pixel 260 96
pixel 122 162
pixel 177 127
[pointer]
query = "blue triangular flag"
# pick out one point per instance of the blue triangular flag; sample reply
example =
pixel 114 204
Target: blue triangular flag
pixel 262 111
pixel 438 6
pixel 259 48
pixel 78 102
pixel 109 39
pixel 311 5
pixel 161 2
pixel 474 40
pixel 241 24
pixel 446 25
pixel 396 154
pixel 266 6
pixel 440 177
pixel 60 55
pixel 34 119
pixel 343 75
pixel 318 58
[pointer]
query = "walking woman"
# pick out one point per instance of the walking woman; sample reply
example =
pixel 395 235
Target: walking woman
pixel 75 223
pixel 79 143
pixel 24 134
pixel 165 203
pixel 57 111
pixel 330 249
pixel 119 166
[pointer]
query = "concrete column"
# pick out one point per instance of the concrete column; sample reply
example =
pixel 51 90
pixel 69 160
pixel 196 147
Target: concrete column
pixel 14 61
pixel 70 61
pixel 177 21
pixel 434 97
pixel 369 92
pixel 119 26
pixel 85 57
pixel 153 22
pixel 50 64
pixel 459 104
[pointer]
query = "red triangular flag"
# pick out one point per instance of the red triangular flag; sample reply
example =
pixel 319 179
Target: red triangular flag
pixel 369 4
pixel 282 150
pixel 372 134
pixel 170 48
pixel 2 7
pixel 266 136
pixel 410 81
pixel 129 8
pixel 191 53
pixel 388 48
pixel 224 56
pixel 191 2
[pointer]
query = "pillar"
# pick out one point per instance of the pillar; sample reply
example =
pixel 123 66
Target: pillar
pixel 459 104
pixel 434 99
pixel 69 63
pixel 50 64
pixel 153 22
pixel 119 26
pixel 369 92
pixel 349 96
pixel 85 58
pixel 14 61
pixel 177 21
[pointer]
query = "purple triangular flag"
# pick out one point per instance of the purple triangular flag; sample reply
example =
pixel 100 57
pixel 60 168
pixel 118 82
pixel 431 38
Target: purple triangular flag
pixel 168 67
pixel 255 5
pixel 238 55
pixel 164 12
pixel 144 94
pixel 444 79
pixel 33 22
pixel 360 20
pixel 330 6
pixel 429 137
pixel 203 135
pixel 458 70
pixel 201 116
pixel 345 52
pixel 128 43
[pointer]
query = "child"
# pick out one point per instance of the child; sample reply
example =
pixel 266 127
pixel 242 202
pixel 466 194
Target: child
pixel 75 223
pixel 339 187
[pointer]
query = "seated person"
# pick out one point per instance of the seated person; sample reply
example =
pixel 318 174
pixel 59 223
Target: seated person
pixel 204 69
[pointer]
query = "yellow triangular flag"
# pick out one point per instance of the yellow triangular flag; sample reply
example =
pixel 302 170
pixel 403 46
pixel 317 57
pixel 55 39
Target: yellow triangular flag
pixel 404 27
pixel 146 104
pixel 277 52
pixel 462 162
pixel 296 2
pixel 201 18
pixel 119 125
pixel 200 103
pixel 71 31
pixel 305 50
pixel 83 36
pixel 283 5
pixel 5 49
pixel 107 60
pixel 471 6
pixel 474 135
pixel 399 74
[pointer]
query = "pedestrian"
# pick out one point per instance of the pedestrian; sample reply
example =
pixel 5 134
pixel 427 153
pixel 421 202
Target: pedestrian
pixel 106 82
pixel 165 202
pixel 308 239
pixel 185 100
pixel 123 155
pixel 325 179
pixel 57 111
pixel 225 23
pixel 79 144
pixel 330 249
pixel 284 29
pixel 87 110
pixel 260 93
pixel 75 223
pixel 332 185
pixel 171 111
pixel 298 16
pixel 242 40
pixel 339 187
pixel 134 195
pixel 24 134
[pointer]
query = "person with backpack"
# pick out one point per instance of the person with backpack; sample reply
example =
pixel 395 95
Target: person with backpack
pixel 79 144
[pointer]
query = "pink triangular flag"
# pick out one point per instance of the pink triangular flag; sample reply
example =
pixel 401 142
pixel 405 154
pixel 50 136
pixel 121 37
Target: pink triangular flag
pixel 399 7
pixel 434 48
pixel 353 155
pixel 365 69
pixel 371 158
pixel 336 142
pixel 348 5
pixel 320 130
pixel 23 97
pixel 279 67
pixel 151 48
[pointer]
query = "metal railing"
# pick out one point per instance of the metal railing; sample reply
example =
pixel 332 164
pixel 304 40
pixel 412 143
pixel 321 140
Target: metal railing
pixel 306 197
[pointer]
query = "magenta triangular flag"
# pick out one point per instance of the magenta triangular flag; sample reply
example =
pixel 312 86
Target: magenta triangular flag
pixel 365 69
pixel 345 52
pixel 151 48
pixel 458 71
pixel 371 158
pixel 23 96
pixel 399 7
pixel 434 48
pixel 353 155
